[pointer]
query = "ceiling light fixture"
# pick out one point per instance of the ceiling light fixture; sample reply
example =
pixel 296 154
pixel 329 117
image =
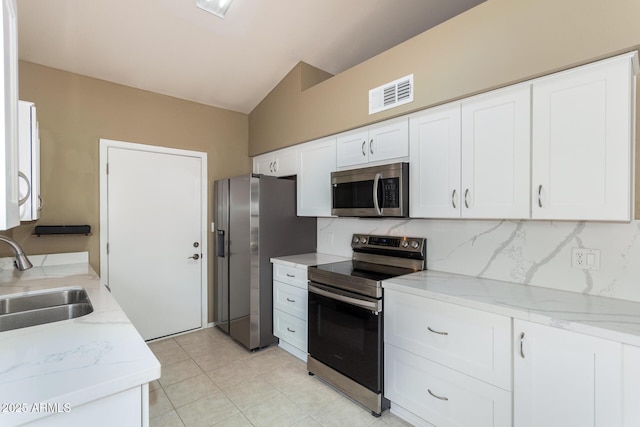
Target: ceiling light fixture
pixel 217 7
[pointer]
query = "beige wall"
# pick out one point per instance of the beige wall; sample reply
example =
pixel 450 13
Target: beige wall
pixel 74 112
pixel 494 44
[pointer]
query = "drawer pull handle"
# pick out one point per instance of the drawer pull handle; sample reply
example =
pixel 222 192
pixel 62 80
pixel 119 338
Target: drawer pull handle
pixel 291 330
pixel 453 199
pixel 522 345
pixel 291 300
pixel 540 196
pixel 437 332
pixel 466 198
pixel 436 396
pixel 291 275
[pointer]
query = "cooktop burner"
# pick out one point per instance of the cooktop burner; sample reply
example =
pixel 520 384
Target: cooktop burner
pixel 375 258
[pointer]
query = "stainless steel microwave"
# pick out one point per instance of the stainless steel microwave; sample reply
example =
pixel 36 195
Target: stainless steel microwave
pixel 376 191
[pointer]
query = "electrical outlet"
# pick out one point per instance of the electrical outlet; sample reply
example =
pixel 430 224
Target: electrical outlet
pixel 585 258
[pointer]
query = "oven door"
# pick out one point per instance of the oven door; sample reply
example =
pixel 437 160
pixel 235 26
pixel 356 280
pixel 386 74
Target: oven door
pixel 345 333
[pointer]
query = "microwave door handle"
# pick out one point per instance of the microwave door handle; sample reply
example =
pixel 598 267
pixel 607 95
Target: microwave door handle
pixel 376 182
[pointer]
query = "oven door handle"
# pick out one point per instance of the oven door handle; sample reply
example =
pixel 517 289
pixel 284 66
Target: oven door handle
pixel 376 183
pixel 374 306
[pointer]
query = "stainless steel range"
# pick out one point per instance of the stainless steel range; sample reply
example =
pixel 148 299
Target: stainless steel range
pixel 346 316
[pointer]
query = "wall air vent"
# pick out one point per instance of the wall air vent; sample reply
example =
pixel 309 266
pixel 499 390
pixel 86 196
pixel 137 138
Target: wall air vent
pixel 391 95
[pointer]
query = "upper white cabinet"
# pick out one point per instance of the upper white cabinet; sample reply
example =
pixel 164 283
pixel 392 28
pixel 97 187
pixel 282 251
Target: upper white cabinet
pixel 316 161
pixel 9 211
pixel 378 143
pixel 434 175
pixel 563 378
pixel 29 162
pixel 582 142
pixel 496 146
pixel 472 159
pixel 277 163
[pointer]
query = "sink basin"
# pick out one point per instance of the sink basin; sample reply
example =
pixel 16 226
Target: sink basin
pixel 36 309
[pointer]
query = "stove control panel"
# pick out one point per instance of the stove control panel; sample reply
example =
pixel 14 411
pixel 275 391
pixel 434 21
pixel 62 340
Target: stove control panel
pixel 409 244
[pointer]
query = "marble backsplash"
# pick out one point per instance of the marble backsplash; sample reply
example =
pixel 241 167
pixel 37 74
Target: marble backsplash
pixel 530 252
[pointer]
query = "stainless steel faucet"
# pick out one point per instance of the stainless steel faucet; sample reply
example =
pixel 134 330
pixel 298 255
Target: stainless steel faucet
pixel 22 262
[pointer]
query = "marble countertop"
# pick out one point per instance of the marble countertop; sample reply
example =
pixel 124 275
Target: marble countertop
pixel 306 260
pixel 74 361
pixel 609 318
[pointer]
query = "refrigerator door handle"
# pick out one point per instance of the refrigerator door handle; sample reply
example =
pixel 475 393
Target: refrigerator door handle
pixel 220 244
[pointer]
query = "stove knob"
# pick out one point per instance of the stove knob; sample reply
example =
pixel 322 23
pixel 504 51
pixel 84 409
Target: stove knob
pixel 414 244
pixel 356 239
pixel 363 240
pixel 405 244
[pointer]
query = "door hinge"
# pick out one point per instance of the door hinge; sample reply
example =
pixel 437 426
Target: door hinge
pixel 107 168
pixel 107 248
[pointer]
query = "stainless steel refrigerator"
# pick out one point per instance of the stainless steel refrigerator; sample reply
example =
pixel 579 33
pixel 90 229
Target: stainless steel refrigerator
pixel 255 220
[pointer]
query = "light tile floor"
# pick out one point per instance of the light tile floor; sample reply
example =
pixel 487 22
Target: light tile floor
pixel 208 379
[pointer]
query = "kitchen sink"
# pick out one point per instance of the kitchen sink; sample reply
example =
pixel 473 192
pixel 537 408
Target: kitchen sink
pixel 46 307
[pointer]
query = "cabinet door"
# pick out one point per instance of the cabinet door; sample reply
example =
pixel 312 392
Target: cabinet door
pixel 631 389
pixel 442 396
pixel 352 148
pixel 9 211
pixel 434 141
pixel 496 154
pixel 264 164
pixel 562 378
pixel 316 161
pixel 285 162
pixel 582 143
pixel 388 140
pixel 28 161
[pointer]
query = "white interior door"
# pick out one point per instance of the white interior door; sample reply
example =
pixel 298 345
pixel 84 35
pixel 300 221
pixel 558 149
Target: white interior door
pixel 153 236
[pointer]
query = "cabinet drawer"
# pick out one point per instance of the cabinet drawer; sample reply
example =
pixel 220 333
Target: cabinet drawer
pixel 473 342
pixel 290 329
pixel 290 299
pixel 290 275
pixel 455 399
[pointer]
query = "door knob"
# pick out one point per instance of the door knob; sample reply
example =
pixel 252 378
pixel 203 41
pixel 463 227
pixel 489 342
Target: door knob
pixel 195 256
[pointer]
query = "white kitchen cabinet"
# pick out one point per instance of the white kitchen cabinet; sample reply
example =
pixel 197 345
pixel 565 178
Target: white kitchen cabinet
pixel 471 159
pixel 9 211
pixel 496 145
pixel 29 161
pixel 375 144
pixel 631 385
pixel 129 408
pixel 277 163
pixel 474 342
pixel 446 364
pixel 316 161
pixel 435 162
pixel 290 308
pixel 562 378
pixel 442 396
pixel 583 135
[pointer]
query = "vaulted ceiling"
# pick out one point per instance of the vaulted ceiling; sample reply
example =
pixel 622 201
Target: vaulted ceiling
pixel 174 48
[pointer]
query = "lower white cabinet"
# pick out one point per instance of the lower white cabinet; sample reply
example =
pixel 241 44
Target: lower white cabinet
pixel 446 364
pixel 631 385
pixel 129 408
pixel 290 308
pixel 563 378
pixel 443 396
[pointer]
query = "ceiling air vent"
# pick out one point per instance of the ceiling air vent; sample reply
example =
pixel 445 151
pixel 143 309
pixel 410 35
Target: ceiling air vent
pixel 391 94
